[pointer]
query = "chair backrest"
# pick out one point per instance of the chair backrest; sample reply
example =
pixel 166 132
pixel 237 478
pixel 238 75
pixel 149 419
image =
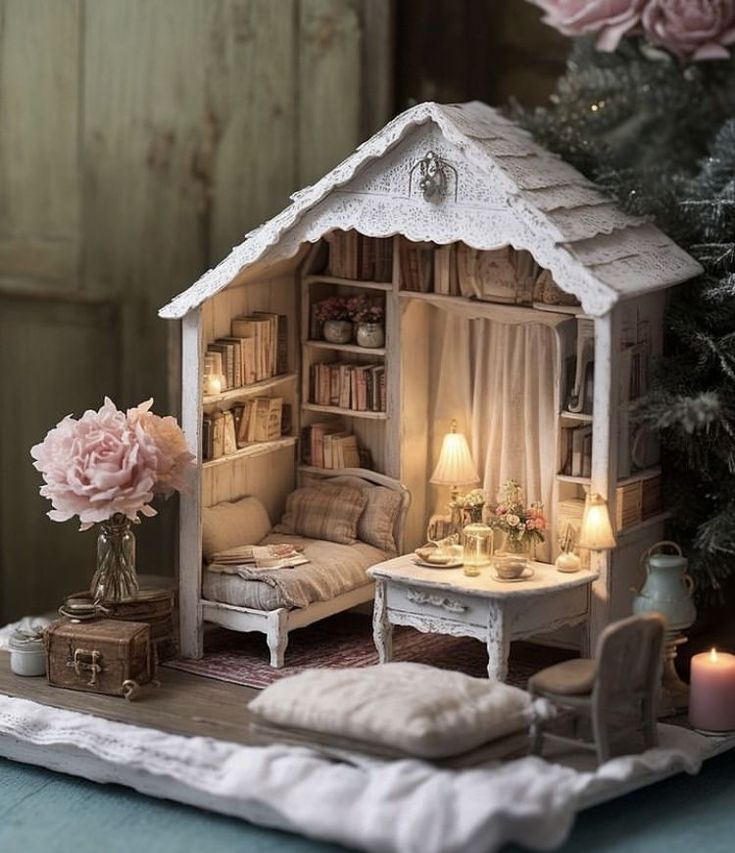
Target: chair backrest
pixel 629 657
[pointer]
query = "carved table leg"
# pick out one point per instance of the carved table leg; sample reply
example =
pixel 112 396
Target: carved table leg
pixel 498 642
pixel 382 628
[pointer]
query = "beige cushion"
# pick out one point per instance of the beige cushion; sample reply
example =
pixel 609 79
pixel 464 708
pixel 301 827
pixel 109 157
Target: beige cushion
pixel 421 710
pixel 569 678
pixel 377 523
pixel 228 524
pixel 324 511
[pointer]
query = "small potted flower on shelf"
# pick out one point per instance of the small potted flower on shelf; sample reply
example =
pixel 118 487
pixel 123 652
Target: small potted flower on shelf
pixel 522 525
pixel 368 316
pixel 336 323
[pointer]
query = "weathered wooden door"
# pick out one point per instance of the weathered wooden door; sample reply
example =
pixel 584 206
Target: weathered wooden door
pixel 140 140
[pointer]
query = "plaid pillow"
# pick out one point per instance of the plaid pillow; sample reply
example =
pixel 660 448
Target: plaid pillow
pixel 377 523
pixel 325 511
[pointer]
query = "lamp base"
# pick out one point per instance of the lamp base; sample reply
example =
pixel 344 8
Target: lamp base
pixel 674 697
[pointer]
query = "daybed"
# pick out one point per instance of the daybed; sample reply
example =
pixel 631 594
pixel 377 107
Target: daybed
pixel 345 521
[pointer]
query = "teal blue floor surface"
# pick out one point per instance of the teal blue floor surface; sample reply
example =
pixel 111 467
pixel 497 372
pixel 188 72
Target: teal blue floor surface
pixel 45 812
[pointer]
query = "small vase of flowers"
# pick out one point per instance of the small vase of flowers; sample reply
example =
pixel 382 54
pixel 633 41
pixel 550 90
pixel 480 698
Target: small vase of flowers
pixel 335 319
pixel 523 527
pixel 368 316
pixel 106 468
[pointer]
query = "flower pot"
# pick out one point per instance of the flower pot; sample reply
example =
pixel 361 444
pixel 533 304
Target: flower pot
pixel 337 331
pixel 370 335
pixel 115 579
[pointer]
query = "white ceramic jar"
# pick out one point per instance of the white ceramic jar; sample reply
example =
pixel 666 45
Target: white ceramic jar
pixel 27 656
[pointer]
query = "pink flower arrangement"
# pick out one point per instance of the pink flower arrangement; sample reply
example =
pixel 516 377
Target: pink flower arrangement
pixel 519 522
pixel 690 29
pixel 110 462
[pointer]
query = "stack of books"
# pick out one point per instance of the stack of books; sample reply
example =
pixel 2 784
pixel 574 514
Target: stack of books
pixel 417 266
pixel 329 445
pixel 358 387
pixel 576 451
pixel 254 420
pixel 360 258
pixel 256 349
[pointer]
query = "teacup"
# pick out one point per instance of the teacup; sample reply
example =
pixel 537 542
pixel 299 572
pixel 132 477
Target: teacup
pixel 510 567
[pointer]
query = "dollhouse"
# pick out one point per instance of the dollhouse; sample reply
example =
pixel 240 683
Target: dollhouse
pixel 514 297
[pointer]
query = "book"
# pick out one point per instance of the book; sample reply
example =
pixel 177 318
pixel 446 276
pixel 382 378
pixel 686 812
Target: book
pixel 581 444
pixel 207 437
pixel 330 456
pixel 227 351
pixel 417 266
pixel 237 369
pixel 383 251
pixel 267 418
pixel 218 435
pixel 229 438
pixel 347 452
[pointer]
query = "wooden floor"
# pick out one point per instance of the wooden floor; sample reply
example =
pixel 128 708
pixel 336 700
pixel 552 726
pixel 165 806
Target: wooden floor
pixel 184 704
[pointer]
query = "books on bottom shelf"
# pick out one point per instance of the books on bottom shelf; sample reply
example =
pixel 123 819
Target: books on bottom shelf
pixel 638 500
pixel 255 420
pixel 358 387
pixel 328 445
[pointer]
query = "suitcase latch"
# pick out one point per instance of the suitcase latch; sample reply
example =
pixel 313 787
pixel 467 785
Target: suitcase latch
pixel 87 661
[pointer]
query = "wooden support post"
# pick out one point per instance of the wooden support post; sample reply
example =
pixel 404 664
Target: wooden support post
pixel 190 515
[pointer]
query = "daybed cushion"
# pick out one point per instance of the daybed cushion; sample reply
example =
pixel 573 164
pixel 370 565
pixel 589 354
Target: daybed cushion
pixel 377 523
pixel 418 709
pixel 324 511
pixel 333 569
pixel 231 523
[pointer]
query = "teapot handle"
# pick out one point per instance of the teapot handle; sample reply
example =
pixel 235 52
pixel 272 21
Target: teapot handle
pixel 646 554
pixel 689 581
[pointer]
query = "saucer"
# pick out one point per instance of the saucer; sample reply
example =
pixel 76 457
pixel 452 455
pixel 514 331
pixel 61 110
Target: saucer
pixel 452 564
pixel 525 576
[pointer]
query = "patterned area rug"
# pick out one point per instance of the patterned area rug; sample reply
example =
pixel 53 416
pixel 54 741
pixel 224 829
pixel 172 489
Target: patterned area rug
pixel 347 640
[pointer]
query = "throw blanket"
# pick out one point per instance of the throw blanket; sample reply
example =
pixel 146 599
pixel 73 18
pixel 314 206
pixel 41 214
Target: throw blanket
pixel 402 806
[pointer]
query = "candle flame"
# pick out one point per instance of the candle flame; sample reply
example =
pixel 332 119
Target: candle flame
pixel 713 655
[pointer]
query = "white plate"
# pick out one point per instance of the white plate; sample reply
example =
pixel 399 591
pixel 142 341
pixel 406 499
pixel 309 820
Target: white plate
pixel 526 576
pixel 454 564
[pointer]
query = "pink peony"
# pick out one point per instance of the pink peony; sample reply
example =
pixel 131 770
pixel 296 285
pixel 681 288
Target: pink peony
pixel 171 458
pixel 691 29
pixel 610 19
pixel 108 462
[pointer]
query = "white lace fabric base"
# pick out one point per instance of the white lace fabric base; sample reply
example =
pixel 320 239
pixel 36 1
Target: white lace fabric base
pixel 401 806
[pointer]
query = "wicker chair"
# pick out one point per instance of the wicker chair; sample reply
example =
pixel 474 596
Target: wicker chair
pixel 610 702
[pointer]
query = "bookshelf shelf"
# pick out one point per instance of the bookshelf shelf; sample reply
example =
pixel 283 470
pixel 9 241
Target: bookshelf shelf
pixel 644 474
pixel 503 311
pixel 256 448
pixel 659 518
pixel 247 390
pixel 385 286
pixel 351 348
pixel 567 478
pixel 347 413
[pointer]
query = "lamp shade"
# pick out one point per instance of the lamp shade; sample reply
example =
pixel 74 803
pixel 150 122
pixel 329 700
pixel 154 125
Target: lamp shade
pixel 455 465
pixel 596 533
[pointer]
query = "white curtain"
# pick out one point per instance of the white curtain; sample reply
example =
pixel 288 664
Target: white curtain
pixel 499 381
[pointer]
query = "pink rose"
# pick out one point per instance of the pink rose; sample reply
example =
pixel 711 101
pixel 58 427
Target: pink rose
pixel 530 524
pixel 693 29
pixel 611 19
pixel 95 467
pixel 500 510
pixel 165 446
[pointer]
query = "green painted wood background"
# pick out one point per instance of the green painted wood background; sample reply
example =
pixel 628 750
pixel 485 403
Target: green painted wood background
pixel 139 140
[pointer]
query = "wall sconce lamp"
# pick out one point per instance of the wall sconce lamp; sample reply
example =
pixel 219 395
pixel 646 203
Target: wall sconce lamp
pixel 596 533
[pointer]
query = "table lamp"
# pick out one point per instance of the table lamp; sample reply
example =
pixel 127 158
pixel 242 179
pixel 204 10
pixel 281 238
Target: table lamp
pixel 455 466
pixel 596 533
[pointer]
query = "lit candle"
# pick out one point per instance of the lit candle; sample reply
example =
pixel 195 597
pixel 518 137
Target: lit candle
pixel 712 692
pixel 215 384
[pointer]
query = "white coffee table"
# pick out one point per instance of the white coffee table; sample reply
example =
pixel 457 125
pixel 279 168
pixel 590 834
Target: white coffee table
pixel 446 601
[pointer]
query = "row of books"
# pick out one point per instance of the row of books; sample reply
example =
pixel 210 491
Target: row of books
pixel 254 420
pixel 576 451
pixel 256 349
pixel 329 445
pixel 359 387
pixel 638 500
pixel 360 258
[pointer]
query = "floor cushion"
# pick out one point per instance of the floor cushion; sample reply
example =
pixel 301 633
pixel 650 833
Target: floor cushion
pixel 332 570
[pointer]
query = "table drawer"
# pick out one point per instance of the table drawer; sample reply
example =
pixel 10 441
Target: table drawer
pixel 445 604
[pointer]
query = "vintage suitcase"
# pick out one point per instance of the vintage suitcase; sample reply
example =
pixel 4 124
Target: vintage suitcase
pixel 155 606
pixel 102 656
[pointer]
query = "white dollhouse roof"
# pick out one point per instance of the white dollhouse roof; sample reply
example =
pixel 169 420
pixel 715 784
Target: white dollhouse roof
pixel 504 189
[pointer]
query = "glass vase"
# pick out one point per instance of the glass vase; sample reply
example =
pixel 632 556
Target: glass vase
pixel 477 543
pixel 115 578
